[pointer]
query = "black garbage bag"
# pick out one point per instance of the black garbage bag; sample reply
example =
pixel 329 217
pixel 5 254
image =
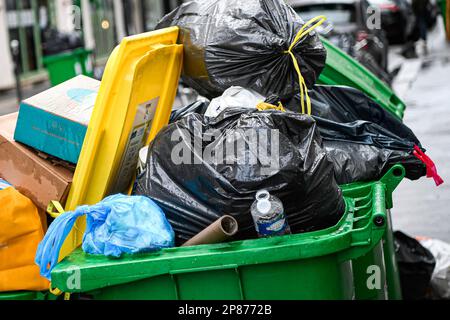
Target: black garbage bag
pixel 54 41
pixel 243 43
pixel 361 138
pixel 416 265
pixel 197 180
pixel 199 107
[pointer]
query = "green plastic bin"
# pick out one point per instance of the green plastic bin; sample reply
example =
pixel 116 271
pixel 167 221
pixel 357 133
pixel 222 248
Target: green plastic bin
pixel 328 264
pixel 383 254
pixel 341 69
pixel 64 66
pixel 316 265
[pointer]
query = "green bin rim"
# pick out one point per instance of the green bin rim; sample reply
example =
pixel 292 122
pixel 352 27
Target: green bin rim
pixel 18 295
pixel 342 69
pixel 345 239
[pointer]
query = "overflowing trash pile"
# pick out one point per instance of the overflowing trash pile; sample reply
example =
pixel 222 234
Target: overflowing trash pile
pixel 246 43
pixel 263 157
pixel 209 180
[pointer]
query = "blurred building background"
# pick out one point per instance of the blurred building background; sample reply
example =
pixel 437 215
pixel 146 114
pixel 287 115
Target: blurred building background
pixel 100 23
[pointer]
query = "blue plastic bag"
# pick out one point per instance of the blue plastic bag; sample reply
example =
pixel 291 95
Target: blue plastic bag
pixel 116 225
pixel 4 184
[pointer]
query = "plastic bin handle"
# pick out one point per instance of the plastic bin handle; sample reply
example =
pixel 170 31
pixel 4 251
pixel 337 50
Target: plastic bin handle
pixel 367 237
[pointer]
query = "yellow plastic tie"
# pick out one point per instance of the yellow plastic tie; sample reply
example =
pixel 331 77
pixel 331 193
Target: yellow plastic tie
pixel 312 24
pixel 267 106
pixel 54 291
pixel 55 205
pixel 55 209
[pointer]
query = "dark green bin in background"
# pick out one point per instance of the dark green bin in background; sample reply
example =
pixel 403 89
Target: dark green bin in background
pixel 66 65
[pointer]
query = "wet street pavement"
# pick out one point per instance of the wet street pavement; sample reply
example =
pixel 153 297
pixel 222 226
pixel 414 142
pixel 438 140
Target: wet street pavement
pixel 8 99
pixel 421 208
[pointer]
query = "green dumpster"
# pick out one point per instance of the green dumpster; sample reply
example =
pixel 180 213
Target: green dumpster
pixel 316 265
pixel 66 65
pixel 341 69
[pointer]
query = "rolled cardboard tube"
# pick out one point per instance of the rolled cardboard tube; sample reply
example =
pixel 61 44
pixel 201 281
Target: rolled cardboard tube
pixel 219 231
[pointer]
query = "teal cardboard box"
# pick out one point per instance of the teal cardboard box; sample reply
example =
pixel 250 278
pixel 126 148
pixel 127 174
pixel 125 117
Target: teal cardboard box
pixel 55 121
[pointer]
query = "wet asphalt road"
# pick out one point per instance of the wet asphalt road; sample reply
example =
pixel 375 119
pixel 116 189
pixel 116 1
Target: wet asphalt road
pixel 421 208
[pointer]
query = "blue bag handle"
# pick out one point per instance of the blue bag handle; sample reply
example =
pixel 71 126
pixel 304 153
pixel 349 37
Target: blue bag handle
pixel 48 249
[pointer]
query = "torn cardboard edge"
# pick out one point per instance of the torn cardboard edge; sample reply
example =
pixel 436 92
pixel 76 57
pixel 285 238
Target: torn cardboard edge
pixel 35 177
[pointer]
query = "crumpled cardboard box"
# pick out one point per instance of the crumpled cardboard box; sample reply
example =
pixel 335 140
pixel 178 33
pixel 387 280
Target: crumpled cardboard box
pixel 37 178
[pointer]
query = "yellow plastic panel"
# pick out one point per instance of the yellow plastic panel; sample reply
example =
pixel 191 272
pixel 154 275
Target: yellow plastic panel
pixel 135 99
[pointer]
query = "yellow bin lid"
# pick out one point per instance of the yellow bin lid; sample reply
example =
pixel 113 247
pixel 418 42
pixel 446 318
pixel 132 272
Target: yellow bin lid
pixel 134 102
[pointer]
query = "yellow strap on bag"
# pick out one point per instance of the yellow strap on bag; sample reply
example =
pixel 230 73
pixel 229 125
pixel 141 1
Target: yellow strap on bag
pixel 312 24
pixel 20 233
pixel 55 205
pixel 54 291
pixel 267 106
pixel 57 292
